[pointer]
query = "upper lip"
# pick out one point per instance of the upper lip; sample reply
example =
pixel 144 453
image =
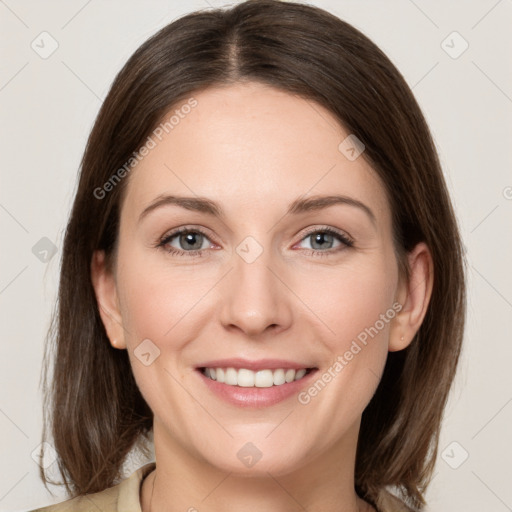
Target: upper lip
pixel 258 364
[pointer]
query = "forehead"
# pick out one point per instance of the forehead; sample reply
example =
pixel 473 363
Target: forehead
pixel 250 144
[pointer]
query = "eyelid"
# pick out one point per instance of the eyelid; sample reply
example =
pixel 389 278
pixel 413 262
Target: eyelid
pixel 345 237
pixel 172 233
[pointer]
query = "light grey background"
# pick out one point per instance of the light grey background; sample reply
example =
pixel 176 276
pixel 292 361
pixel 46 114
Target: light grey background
pixel 48 106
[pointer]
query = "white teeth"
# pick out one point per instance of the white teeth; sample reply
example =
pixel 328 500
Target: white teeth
pixel 249 379
pixel 263 379
pixel 279 377
pixel 231 377
pixel 289 375
pixel 300 373
pixel 245 378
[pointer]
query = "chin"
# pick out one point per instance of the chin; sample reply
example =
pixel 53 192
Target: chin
pixel 256 458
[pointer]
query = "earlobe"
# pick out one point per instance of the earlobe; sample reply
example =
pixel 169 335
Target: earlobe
pixel 414 296
pixel 106 297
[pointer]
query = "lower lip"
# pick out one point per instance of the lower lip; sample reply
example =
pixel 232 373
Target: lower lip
pixel 256 397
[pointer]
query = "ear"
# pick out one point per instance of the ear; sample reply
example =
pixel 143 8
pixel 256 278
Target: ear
pixel 414 297
pixel 104 284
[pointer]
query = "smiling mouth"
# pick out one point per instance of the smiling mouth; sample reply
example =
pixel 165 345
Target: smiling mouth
pixel 255 379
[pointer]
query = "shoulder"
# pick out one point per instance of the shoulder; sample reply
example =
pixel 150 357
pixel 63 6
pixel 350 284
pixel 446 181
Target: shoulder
pixel 106 501
pixel 121 497
pixel 388 502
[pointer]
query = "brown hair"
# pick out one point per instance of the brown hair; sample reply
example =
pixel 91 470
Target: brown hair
pixel 96 413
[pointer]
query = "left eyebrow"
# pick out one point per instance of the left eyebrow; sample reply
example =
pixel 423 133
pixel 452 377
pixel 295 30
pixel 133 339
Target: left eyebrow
pixel 298 206
pixel 301 205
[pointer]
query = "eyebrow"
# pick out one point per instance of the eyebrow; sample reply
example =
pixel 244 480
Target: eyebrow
pixel 298 206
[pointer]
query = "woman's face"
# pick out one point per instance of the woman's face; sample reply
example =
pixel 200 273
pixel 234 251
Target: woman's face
pixel 266 276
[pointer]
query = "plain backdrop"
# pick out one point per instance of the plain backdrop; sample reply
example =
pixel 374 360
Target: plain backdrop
pixel 455 56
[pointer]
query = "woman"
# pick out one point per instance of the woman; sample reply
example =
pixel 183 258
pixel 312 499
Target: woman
pixel 268 372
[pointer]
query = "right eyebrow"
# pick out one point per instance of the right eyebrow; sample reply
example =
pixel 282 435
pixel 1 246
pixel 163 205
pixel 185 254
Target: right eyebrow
pixel 197 204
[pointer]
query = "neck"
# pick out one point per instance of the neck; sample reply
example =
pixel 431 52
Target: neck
pixel 182 482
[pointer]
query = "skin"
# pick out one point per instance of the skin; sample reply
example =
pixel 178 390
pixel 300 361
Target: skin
pixel 254 150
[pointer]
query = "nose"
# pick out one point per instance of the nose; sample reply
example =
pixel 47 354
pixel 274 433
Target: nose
pixel 254 296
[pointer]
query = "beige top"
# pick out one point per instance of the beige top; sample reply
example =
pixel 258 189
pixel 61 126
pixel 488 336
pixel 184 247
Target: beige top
pixel 125 497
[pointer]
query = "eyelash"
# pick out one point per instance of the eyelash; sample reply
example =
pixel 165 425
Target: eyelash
pixel 344 239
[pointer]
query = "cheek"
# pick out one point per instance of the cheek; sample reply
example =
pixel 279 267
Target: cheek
pixel 155 297
pixel 162 303
pixel 154 301
pixel 351 299
pixel 356 306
